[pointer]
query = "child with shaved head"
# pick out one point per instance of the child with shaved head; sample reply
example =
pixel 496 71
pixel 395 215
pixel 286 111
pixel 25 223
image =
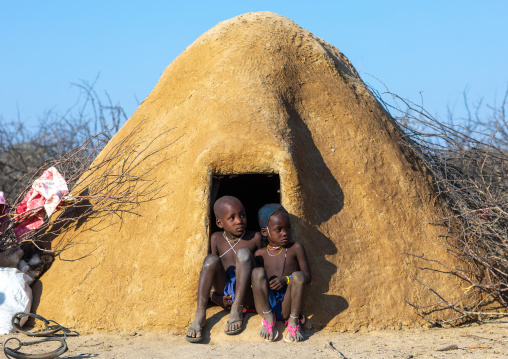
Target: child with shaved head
pixel 227 269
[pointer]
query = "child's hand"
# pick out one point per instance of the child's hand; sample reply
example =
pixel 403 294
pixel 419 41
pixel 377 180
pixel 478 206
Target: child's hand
pixel 226 301
pixel 277 283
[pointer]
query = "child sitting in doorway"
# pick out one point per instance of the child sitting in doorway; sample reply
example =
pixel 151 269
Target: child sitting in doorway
pixel 227 269
pixel 278 285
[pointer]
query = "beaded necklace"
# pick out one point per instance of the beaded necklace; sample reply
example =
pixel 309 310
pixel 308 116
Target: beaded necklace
pixel 230 241
pixel 274 248
pixel 275 255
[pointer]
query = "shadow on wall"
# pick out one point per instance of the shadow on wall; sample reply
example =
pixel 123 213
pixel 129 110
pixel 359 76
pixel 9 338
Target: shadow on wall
pixel 75 215
pixel 322 199
pixel 32 322
pixel 36 300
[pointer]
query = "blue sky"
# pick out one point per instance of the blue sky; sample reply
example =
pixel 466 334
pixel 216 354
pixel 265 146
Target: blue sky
pixel 437 48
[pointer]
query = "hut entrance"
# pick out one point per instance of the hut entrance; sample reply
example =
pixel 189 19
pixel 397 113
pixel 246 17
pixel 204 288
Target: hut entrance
pixel 254 190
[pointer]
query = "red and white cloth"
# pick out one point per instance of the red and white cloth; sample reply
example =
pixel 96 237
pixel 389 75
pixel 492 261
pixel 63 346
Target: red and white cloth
pixel 46 192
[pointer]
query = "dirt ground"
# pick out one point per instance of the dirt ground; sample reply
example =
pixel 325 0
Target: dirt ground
pixel 484 340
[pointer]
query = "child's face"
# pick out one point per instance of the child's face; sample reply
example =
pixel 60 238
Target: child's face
pixel 232 218
pixel 279 230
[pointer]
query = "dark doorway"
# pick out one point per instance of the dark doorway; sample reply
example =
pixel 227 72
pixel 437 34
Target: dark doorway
pixel 254 190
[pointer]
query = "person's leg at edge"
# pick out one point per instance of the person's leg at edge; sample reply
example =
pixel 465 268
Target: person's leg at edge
pixel 292 304
pixel 209 276
pixel 260 291
pixel 244 266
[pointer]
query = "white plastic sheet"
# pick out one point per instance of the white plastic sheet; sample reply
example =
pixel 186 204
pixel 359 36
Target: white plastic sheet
pixel 15 296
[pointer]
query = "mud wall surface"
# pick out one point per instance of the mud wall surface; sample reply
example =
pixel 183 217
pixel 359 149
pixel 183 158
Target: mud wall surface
pixel 259 94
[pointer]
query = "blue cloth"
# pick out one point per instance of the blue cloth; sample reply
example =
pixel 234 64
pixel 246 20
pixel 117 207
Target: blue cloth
pixel 275 297
pixel 230 287
pixel 266 211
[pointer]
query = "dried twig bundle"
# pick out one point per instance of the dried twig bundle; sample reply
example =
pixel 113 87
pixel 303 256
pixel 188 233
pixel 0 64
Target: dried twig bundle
pixel 104 190
pixel 101 190
pixel 469 163
pixel 85 128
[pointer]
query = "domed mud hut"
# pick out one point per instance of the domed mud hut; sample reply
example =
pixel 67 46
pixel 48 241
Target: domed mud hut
pixel 266 111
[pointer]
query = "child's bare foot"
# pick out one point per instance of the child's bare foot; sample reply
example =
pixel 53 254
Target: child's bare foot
pixel 293 335
pixel 235 322
pixel 194 332
pixel 268 332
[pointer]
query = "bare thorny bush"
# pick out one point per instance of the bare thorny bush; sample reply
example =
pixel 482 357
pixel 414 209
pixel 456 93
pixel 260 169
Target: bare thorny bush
pixel 468 158
pixel 102 190
pixel 82 131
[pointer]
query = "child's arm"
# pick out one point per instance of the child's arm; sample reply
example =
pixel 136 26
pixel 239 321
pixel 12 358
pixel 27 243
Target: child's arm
pixel 280 282
pixel 213 244
pixel 258 240
pixel 224 300
pixel 303 262
pixel 258 257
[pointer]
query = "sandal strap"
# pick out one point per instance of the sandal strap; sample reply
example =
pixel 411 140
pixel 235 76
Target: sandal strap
pixel 292 330
pixel 301 321
pixel 195 330
pixel 269 325
pixel 234 321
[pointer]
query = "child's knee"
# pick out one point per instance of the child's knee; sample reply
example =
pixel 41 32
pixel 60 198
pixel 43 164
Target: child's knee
pixel 244 255
pixel 211 261
pixel 298 278
pixel 258 274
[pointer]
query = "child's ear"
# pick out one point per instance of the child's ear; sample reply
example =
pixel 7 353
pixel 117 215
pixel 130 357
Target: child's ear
pixel 219 223
pixel 264 232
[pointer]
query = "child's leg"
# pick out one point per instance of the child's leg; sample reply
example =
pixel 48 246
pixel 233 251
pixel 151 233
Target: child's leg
pixel 260 291
pixel 212 273
pixel 244 266
pixel 292 304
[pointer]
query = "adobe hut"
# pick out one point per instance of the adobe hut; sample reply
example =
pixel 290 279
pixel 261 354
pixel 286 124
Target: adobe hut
pixel 266 111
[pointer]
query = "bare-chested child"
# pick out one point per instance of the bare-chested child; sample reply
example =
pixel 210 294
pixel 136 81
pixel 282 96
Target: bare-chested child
pixel 278 285
pixel 227 269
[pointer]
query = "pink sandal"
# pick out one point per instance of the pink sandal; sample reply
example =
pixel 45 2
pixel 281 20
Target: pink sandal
pixel 294 331
pixel 269 329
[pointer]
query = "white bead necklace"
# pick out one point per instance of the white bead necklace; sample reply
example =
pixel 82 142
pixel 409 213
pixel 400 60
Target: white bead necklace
pixel 230 241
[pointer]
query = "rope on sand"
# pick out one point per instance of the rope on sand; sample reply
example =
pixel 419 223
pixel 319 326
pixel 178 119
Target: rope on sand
pixel 47 331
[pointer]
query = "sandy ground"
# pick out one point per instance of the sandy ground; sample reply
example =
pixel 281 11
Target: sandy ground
pixel 490 339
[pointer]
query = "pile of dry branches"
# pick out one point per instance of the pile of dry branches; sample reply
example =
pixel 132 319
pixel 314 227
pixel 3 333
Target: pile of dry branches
pixel 469 162
pixel 102 190
pixel 23 150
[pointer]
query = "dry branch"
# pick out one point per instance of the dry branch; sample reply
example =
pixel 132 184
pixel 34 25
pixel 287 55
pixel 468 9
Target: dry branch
pixel 85 128
pixel 102 191
pixel 469 163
